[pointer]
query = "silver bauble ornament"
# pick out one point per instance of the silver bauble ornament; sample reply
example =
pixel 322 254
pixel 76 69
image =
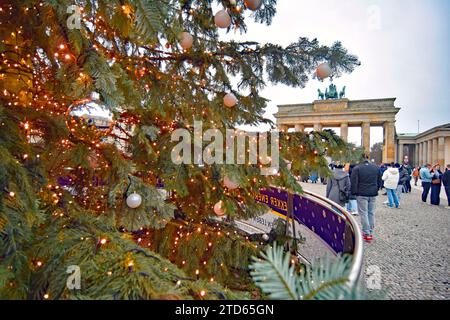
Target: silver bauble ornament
pixel 323 71
pixel 253 4
pixel 218 208
pixel 222 19
pixel 230 100
pixel 230 184
pixel 186 40
pixel 265 237
pixel 134 200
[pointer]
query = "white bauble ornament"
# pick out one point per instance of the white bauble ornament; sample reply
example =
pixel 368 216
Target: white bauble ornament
pixel 230 100
pixel 323 71
pixel 222 19
pixel 134 200
pixel 253 4
pixel 230 184
pixel 265 237
pixel 218 208
pixel 186 40
pixel 233 2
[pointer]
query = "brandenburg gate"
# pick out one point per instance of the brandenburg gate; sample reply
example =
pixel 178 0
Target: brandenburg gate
pixel 336 111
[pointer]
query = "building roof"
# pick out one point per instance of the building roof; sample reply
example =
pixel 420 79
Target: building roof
pixel 414 136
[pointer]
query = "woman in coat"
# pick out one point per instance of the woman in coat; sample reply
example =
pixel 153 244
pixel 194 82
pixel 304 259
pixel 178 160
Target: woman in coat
pixel 436 184
pixel 391 178
pixel 338 186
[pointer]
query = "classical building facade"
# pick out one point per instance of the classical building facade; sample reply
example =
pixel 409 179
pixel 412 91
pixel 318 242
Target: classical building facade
pixel 432 146
pixel 344 113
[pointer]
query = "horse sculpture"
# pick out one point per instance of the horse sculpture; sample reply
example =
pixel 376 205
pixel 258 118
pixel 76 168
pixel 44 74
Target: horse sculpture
pixel 342 93
pixel 321 94
pixel 331 93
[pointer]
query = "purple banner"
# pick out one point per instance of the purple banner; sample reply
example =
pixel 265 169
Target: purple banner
pixel 325 222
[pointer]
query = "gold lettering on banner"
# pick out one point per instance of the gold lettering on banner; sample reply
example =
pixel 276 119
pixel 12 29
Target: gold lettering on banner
pixel 261 198
pixel 277 203
pixel 274 202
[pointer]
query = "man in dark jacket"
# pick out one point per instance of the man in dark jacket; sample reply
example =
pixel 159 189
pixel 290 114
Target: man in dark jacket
pixel 446 183
pixel 402 181
pixel 365 182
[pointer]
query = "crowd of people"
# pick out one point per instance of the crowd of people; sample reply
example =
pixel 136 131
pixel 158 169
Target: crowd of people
pixel 355 187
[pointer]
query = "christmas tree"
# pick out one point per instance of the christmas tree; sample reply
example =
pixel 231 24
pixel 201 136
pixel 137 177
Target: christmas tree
pixel 92 93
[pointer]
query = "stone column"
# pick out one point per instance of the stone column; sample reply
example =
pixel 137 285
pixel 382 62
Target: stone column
pixel 366 136
pixel 417 155
pixel 424 152
pixel 317 127
pixel 430 151
pixel 299 128
pixel 400 153
pixel 389 142
pixel 434 156
pixel 441 152
pixel 344 131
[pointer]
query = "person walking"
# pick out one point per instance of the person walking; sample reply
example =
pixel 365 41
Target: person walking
pixel 446 183
pixel 391 178
pixel 365 183
pixel 408 169
pixel 426 176
pixel 338 186
pixel 403 178
pixel 436 185
pixel 415 175
pixel 352 206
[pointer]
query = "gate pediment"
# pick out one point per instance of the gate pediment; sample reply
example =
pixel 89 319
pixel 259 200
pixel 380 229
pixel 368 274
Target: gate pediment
pixel 330 105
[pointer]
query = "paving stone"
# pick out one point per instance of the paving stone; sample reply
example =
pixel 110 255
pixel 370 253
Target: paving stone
pixel 411 248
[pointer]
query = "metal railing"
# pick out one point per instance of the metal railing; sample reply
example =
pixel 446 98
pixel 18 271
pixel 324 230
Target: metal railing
pixel 351 238
pixel 357 254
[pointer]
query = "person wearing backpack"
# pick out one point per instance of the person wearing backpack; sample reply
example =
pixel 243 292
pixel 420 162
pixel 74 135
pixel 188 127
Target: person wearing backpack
pixel 338 186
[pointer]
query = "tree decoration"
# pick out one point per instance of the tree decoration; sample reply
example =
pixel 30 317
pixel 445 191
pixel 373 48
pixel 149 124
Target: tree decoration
pixel 222 19
pixel 219 210
pixel 230 100
pixel 89 120
pixel 253 4
pixel 229 183
pixel 186 40
pixel 323 71
pixel 134 200
pixel 53 203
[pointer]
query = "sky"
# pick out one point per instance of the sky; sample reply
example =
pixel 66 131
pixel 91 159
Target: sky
pixel 403 46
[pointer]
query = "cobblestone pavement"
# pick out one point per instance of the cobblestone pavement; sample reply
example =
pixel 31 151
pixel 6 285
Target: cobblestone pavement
pixel 411 247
